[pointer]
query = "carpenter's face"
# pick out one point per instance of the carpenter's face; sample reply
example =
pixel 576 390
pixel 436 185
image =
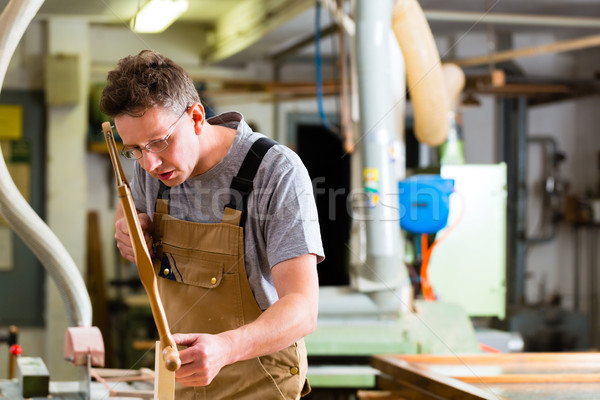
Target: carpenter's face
pixel 164 143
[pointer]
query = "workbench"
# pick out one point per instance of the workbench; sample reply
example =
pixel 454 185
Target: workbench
pixel 10 390
pixel 496 376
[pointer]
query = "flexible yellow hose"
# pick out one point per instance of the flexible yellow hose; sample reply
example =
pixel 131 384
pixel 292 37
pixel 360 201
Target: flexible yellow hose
pixel 423 72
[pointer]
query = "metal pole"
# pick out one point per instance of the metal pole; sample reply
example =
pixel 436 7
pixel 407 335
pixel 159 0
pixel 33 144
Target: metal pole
pixel 383 273
pixel 514 152
pixel 520 116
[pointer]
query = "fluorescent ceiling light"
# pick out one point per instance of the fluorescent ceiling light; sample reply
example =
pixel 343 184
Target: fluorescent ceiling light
pixel 158 15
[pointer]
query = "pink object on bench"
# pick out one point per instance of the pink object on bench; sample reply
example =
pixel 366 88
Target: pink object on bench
pixel 81 341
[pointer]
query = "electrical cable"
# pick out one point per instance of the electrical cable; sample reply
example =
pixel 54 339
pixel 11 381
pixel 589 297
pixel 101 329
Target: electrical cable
pixel 426 250
pixel 319 78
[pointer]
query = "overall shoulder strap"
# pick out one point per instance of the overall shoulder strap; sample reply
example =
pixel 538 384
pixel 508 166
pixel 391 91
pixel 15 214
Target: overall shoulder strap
pixel 241 184
pixel 162 199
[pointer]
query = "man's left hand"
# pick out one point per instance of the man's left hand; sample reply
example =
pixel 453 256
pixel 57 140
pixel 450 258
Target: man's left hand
pixel 203 359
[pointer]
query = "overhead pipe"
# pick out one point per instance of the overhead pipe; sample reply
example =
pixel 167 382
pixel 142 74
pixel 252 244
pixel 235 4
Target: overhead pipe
pixel 512 19
pixel 471 17
pixel 14 20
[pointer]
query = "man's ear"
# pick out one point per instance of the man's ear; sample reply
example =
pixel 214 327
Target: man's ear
pixel 198 116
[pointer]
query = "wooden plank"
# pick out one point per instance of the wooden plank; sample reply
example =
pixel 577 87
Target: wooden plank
pixel 497 358
pixel 408 389
pixel 515 89
pixel 531 378
pixel 546 391
pixel 447 387
pixel 383 395
pixel 494 78
pixel 512 368
pixel 112 375
pixel 276 88
pixel 164 382
pixel 96 283
pixel 140 394
pixel 553 375
pixel 124 375
pixel 556 47
pixel 496 83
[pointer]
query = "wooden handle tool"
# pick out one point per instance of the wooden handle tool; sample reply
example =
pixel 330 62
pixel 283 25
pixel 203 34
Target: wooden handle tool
pixel 142 256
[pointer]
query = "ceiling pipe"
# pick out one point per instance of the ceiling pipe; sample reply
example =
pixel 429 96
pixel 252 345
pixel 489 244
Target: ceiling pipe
pixel 512 19
pixel 343 19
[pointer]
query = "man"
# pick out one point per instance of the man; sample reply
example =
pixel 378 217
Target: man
pixel 232 222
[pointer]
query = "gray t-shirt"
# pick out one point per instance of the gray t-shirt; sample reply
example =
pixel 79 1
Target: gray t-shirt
pixel 282 221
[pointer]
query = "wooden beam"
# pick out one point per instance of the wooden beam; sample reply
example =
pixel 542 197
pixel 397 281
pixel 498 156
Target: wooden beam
pixel 556 47
pixel 279 88
pixel 525 89
pixel 476 82
pixel 537 90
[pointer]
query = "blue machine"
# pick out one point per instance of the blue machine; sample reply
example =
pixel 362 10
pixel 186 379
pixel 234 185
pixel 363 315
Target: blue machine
pixel 424 203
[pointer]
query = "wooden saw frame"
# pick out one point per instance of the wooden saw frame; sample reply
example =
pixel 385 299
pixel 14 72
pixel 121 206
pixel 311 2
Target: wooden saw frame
pixel 166 365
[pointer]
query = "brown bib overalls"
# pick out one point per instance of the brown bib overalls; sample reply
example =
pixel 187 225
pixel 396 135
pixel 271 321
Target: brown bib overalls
pixel 204 289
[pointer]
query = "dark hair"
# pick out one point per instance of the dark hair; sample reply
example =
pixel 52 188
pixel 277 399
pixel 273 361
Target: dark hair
pixel 147 80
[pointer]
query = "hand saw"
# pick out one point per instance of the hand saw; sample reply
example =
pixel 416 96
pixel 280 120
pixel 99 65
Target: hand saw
pixel 142 256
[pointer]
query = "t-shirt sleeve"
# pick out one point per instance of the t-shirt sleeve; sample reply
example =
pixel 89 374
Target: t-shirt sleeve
pixel 138 188
pixel 291 227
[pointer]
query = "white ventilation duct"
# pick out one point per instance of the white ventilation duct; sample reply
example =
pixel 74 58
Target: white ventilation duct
pixel 14 20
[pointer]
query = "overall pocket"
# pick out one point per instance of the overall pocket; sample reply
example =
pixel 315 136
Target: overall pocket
pixel 199 294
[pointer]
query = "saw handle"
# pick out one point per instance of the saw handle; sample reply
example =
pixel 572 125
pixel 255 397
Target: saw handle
pixel 171 358
pixel 142 256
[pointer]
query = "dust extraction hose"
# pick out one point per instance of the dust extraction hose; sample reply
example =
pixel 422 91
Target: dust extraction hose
pixel 424 76
pixel 14 20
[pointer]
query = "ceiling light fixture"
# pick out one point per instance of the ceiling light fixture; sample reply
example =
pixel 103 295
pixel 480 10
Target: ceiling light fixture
pixel 158 15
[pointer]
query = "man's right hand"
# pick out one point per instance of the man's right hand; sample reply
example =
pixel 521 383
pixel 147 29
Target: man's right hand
pixel 122 234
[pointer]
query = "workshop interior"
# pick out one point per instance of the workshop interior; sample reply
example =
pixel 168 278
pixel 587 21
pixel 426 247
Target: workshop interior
pixel 454 154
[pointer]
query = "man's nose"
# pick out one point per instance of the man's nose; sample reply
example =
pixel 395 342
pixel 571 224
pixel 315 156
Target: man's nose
pixel 150 161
